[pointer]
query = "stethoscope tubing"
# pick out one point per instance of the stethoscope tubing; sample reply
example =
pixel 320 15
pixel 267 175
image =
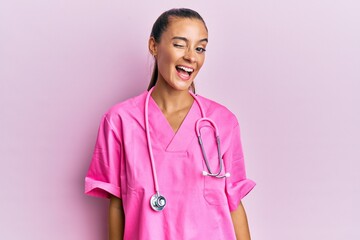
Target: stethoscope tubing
pixel 147 127
pixel 157 201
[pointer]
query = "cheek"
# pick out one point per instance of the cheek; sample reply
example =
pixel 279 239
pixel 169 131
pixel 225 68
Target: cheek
pixel 164 61
pixel 163 58
pixel 201 61
pixel 166 55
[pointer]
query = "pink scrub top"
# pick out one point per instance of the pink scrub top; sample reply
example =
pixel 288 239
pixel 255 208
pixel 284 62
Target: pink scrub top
pixel 198 207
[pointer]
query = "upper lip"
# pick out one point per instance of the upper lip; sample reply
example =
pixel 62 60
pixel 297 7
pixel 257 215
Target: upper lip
pixel 186 68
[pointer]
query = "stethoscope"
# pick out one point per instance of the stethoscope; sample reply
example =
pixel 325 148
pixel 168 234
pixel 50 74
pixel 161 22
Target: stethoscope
pixel 158 201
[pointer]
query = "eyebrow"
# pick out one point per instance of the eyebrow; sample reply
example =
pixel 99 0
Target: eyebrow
pixel 186 40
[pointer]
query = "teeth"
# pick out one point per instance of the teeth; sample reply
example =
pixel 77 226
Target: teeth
pixel 186 69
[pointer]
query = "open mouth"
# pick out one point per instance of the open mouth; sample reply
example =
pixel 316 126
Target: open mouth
pixel 184 71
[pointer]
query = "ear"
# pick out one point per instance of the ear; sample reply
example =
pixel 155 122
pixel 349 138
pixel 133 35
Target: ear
pixel 152 46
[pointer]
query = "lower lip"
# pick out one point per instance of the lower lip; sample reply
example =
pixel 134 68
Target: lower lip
pixel 183 76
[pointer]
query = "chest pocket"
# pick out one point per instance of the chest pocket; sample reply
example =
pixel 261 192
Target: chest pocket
pixel 214 188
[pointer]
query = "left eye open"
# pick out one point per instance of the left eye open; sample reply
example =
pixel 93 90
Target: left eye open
pixel 200 50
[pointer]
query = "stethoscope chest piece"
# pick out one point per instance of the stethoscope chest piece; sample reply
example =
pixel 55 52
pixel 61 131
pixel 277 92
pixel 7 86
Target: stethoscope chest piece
pixel 157 202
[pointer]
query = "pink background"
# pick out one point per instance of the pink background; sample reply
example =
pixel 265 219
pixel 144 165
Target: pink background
pixel 290 70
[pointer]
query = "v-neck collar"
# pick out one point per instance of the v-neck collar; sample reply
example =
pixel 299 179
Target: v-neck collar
pixel 162 131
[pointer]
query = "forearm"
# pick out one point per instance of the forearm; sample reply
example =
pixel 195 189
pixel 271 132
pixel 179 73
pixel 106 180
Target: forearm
pixel 116 219
pixel 240 223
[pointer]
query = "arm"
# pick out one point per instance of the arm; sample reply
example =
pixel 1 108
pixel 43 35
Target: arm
pixel 240 222
pixel 116 219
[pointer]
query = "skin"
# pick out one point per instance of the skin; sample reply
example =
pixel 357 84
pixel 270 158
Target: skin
pixel 116 219
pixel 182 43
pixel 240 223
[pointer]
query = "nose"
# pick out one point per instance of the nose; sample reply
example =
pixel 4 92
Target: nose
pixel 190 55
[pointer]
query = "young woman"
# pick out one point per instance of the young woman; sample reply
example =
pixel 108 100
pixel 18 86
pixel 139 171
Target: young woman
pixel 170 161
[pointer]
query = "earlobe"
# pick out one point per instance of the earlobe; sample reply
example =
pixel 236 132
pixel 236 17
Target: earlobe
pixel 152 46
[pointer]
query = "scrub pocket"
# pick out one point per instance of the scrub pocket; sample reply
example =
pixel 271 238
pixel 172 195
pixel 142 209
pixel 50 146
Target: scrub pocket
pixel 214 190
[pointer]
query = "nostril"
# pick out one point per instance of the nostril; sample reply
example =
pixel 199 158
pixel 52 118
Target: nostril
pixel 190 58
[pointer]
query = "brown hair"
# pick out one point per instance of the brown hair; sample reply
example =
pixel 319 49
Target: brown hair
pixel 159 28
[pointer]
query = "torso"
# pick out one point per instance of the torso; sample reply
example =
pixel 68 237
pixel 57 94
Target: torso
pixel 193 199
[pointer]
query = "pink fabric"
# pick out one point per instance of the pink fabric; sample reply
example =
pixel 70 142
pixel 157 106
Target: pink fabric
pixel 198 207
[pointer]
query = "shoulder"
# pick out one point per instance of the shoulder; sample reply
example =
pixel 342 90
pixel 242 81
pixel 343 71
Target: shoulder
pixel 128 109
pixel 218 111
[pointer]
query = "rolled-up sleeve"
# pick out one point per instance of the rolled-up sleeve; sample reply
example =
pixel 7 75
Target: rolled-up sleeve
pixel 103 176
pixel 237 185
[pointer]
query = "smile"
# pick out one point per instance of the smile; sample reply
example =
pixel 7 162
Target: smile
pixel 184 72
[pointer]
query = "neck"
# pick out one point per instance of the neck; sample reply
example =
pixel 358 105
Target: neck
pixel 171 100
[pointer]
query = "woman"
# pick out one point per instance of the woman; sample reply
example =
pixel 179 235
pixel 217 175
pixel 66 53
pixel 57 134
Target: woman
pixel 161 183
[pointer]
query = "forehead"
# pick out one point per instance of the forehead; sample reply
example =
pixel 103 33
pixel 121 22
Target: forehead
pixel 192 29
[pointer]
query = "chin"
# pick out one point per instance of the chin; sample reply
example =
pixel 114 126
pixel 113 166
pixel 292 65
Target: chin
pixel 182 86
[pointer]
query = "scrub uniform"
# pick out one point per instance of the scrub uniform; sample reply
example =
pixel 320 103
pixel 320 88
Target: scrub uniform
pixel 198 207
